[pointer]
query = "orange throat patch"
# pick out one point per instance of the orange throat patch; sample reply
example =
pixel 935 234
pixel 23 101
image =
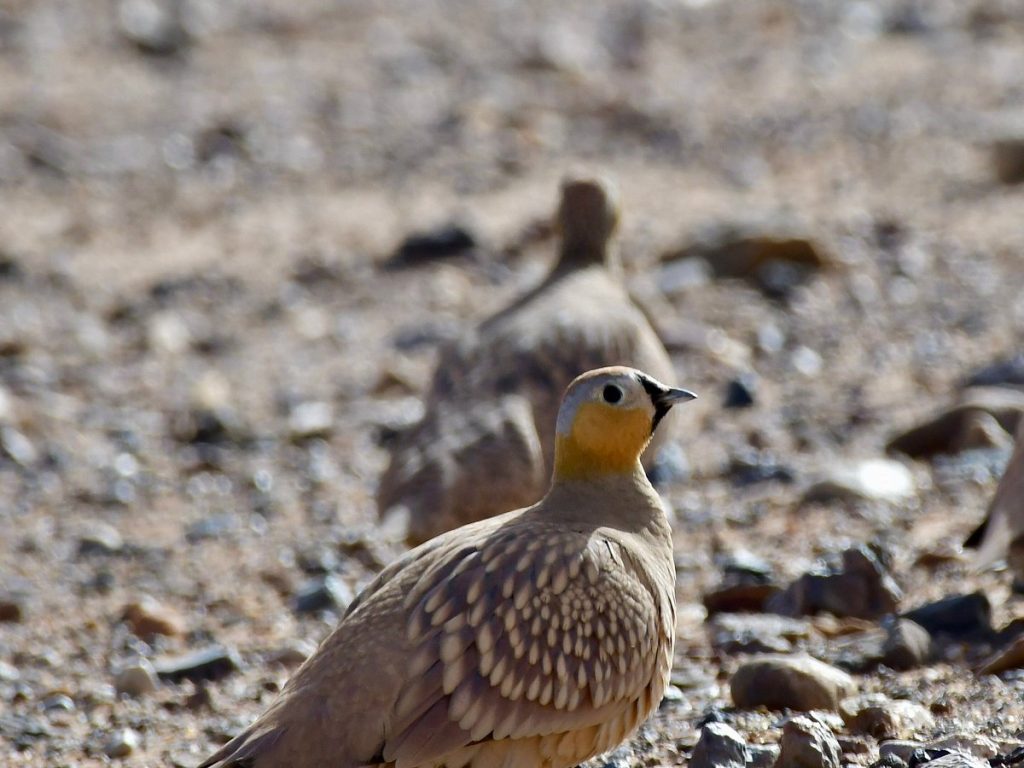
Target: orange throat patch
pixel 604 440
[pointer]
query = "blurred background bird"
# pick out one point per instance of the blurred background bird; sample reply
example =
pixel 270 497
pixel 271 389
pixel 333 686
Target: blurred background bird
pixel 483 448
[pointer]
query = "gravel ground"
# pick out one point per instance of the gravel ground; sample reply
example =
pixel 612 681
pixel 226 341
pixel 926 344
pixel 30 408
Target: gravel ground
pixel 203 353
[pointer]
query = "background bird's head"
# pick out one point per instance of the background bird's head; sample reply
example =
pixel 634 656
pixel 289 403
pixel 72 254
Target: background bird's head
pixel 588 216
pixel 606 420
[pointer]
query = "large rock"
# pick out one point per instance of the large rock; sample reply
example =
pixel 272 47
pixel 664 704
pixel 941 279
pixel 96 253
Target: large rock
pixel 964 425
pixel 719 746
pixel 808 743
pixel 796 682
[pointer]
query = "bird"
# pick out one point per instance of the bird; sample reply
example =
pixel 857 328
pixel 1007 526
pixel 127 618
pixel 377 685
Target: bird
pixel 534 639
pixel 1001 534
pixel 483 447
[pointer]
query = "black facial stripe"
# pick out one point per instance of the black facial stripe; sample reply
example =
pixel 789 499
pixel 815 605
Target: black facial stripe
pixel 655 392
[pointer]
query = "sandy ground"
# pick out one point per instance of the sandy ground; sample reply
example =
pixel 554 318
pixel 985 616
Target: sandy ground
pixel 204 229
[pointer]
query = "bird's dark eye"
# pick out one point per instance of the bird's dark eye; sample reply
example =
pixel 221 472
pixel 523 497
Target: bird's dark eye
pixel 611 394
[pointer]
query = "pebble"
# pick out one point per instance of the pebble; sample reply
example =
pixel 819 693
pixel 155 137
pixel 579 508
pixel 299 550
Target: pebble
pixel 324 593
pixel 859 587
pixel 147 616
pixel 137 679
pixel 955 760
pixel 1008 159
pixel 210 527
pixel 8 673
pixel 1010 657
pixel 293 654
pixel 739 598
pixel 807 743
pixel 959 616
pixel 210 663
pixel 881 480
pixel 739 392
pixel 58 702
pixel 121 743
pixel 100 539
pixel 796 682
pixel 310 419
pixel 901 749
pixel 12 608
pixel 17 447
pixel 907 645
pixel 762 755
pixel 448 240
pixel 882 718
pixel 167 333
pixel 719 746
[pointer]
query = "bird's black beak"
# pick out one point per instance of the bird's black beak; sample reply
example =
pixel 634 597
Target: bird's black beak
pixel 664 398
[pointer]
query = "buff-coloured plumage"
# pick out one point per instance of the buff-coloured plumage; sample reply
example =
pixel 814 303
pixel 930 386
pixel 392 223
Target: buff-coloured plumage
pixel 484 446
pixel 1001 534
pixel 535 639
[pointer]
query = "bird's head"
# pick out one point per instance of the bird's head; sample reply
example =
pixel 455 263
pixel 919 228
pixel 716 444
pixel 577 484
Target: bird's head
pixel 588 215
pixel 607 418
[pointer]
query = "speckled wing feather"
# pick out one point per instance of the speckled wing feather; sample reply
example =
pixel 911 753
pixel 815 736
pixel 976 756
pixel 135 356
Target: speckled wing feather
pixel 526 636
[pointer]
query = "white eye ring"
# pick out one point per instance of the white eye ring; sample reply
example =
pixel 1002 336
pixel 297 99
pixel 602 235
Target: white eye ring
pixel 612 394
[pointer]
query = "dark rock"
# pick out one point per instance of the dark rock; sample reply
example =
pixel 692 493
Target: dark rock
pixel 739 392
pixel 958 616
pixel 889 760
pixel 100 539
pixel 898 751
pixel 749 467
pixel 739 598
pixel 807 743
pixel 860 587
pixel 210 527
pixel 882 718
pixel 322 594
pixel 58 702
pixel 1008 372
pixel 789 682
pixel 211 663
pixel 907 645
pixel 445 241
pixel 1008 159
pixel 719 746
pixel 154 27
pixel 121 743
pixel 12 607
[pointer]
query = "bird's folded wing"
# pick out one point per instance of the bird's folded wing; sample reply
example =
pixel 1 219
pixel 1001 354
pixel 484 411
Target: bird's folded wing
pixel 523 636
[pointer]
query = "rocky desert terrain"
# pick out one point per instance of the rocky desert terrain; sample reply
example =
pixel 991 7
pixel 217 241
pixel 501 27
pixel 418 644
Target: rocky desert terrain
pixel 234 234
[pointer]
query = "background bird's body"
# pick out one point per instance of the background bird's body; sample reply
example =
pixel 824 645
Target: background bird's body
pixel 579 318
pixel 534 639
pixel 1001 534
